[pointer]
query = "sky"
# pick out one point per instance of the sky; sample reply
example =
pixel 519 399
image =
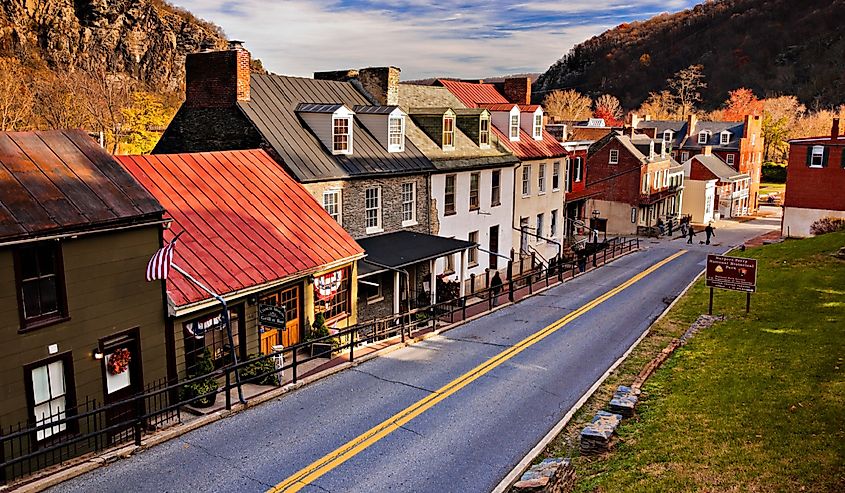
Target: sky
pixel 424 38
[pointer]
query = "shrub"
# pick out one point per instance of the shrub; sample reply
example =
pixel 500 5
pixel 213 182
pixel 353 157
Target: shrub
pixel 192 391
pixel 827 225
pixel 262 369
pixel 773 173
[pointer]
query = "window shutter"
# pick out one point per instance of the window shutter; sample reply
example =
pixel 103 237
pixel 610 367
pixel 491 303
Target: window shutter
pixel 826 156
pixel 809 155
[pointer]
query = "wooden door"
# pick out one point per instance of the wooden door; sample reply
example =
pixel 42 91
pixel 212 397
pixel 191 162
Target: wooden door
pixel 290 298
pixel 122 382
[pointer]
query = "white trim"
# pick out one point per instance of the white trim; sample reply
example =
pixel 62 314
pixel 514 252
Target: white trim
pixel 722 136
pixel 391 119
pixel 338 193
pixel 514 113
pixel 813 155
pixel 705 134
pixel 613 157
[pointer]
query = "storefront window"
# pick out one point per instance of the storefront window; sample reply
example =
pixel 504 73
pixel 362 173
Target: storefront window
pixel 210 332
pixel 336 298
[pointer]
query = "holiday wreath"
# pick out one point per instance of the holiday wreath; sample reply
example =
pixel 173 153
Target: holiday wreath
pixel 119 361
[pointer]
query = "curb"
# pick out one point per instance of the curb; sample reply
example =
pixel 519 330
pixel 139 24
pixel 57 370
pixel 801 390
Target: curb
pixel 532 454
pixel 85 465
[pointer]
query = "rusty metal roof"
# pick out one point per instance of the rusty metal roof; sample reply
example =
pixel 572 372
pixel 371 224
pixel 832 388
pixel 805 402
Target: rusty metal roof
pixel 61 181
pixel 245 221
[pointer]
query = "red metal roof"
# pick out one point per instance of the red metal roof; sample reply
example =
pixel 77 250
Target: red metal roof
pixel 245 221
pixel 62 181
pixel 476 95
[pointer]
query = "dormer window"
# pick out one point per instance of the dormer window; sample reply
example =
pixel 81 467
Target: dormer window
pixel 703 137
pixel 667 136
pixel 538 126
pixel 396 134
pixel 484 132
pixel 514 127
pixel 342 135
pixel 724 137
pixel 448 132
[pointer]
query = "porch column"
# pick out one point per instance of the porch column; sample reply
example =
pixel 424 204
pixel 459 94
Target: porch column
pixel 433 280
pixel 462 272
pixel 396 290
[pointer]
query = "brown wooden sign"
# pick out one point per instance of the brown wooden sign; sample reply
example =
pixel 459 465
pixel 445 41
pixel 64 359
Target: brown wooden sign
pixel 734 273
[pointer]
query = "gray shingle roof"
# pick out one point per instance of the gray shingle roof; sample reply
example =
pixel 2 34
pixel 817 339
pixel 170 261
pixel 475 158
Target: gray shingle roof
pixel 272 109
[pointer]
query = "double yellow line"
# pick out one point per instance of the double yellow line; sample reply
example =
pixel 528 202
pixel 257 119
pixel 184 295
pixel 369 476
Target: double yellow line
pixel 328 462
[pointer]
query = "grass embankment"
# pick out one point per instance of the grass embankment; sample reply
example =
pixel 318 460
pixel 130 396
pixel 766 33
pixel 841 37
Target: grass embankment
pixel 767 188
pixel 754 403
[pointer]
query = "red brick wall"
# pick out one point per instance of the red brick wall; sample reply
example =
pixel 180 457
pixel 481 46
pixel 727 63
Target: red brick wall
pixel 815 188
pixel 217 79
pixel 615 182
pixel 578 186
pixel 517 90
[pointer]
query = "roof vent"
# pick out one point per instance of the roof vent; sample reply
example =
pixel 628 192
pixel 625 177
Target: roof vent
pixel 235 44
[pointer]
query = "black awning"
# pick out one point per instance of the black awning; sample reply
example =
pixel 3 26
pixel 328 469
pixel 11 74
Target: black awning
pixel 366 269
pixel 403 248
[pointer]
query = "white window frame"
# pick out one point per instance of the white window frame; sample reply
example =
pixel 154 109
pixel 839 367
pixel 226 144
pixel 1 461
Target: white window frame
pixel 613 157
pixel 375 207
pixel 684 156
pixel 538 126
pixel 667 135
pixel 484 134
pixel 556 176
pixel 379 294
pixel 817 151
pixel 553 224
pixel 337 215
pixel 646 183
pixel 348 148
pixel 566 173
pixel 49 402
pixel 703 137
pixel 513 128
pixel 725 138
pixel 399 134
pixel 409 218
pixel 541 179
pixel 729 158
pixel 657 179
pixel 450 133
pixel 579 169
pixel 526 180
pixel 472 252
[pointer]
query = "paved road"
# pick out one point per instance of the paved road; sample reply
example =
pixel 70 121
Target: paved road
pixel 465 443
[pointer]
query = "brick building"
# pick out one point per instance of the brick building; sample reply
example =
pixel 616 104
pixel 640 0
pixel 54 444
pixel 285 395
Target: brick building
pixel 815 181
pixel 739 144
pixel 633 182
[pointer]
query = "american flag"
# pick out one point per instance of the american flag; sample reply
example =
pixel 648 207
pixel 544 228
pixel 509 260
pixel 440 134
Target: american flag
pixel 159 265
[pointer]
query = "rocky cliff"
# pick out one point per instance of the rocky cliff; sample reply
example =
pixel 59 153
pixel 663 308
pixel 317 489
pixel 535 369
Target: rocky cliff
pixel 144 39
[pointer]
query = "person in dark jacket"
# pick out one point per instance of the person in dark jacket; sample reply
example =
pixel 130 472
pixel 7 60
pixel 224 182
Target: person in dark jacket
pixel 709 231
pixel 496 287
pixel 690 234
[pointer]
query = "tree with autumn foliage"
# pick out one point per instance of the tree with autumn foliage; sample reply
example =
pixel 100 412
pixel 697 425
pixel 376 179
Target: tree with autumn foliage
pixel 16 97
pixel 609 109
pixel 741 102
pixel 568 105
pixel 143 120
pixel 659 106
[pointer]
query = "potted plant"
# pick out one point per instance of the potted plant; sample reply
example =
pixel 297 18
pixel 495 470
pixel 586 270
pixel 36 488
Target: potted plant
pixel 319 331
pixel 259 372
pixel 195 391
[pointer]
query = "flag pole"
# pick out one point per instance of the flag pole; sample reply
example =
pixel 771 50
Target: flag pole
pixel 226 320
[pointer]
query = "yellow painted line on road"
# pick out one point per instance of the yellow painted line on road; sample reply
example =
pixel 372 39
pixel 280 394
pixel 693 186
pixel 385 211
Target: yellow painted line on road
pixel 328 462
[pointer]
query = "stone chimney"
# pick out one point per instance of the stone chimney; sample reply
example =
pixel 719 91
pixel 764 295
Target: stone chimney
pixel 692 121
pixel 834 129
pixel 382 83
pixel 707 150
pixel 217 79
pixel 517 90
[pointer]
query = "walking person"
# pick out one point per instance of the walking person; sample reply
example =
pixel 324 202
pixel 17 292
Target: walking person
pixel 671 224
pixel 690 234
pixel 660 227
pixel 709 231
pixel 495 288
pixel 684 226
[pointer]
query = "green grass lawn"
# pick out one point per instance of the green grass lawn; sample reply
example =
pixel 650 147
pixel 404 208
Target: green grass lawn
pixel 767 188
pixel 755 403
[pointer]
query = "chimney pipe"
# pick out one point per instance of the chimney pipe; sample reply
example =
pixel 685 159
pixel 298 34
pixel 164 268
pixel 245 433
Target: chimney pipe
pixel 834 129
pixel 707 150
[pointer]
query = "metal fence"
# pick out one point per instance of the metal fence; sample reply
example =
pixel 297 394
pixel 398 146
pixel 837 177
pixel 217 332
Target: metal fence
pixel 92 426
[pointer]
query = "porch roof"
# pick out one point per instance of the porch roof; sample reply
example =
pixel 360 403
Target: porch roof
pixel 403 248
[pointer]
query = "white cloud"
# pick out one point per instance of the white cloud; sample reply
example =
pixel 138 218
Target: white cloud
pixel 298 37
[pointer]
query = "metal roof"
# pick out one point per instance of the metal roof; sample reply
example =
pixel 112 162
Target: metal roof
pixel 374 109
pixel 245 221
pixel 272 110
pixel 717 167
pixel 403 248
pixel 62 181
pixel 317 108
pixel 436 110
pixel 479 95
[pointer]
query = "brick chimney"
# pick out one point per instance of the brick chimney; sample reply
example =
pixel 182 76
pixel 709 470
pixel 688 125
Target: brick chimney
pixel 692 121
pixel 217 79
pixel 382 83
pixel 707 150
pixel 517 90
pixel 834 129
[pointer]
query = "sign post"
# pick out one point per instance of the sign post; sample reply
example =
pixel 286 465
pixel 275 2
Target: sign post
pixel 732 273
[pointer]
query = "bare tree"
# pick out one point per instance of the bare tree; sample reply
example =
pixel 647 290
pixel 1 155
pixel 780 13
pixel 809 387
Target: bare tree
pixel 16 98
pixel 686 85
pixel 59 103
pixel 567 105
pixel 659 105
pixel 105 96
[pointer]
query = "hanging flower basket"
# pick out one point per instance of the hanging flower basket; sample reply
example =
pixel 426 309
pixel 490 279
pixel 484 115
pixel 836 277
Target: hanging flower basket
pixel 119 361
